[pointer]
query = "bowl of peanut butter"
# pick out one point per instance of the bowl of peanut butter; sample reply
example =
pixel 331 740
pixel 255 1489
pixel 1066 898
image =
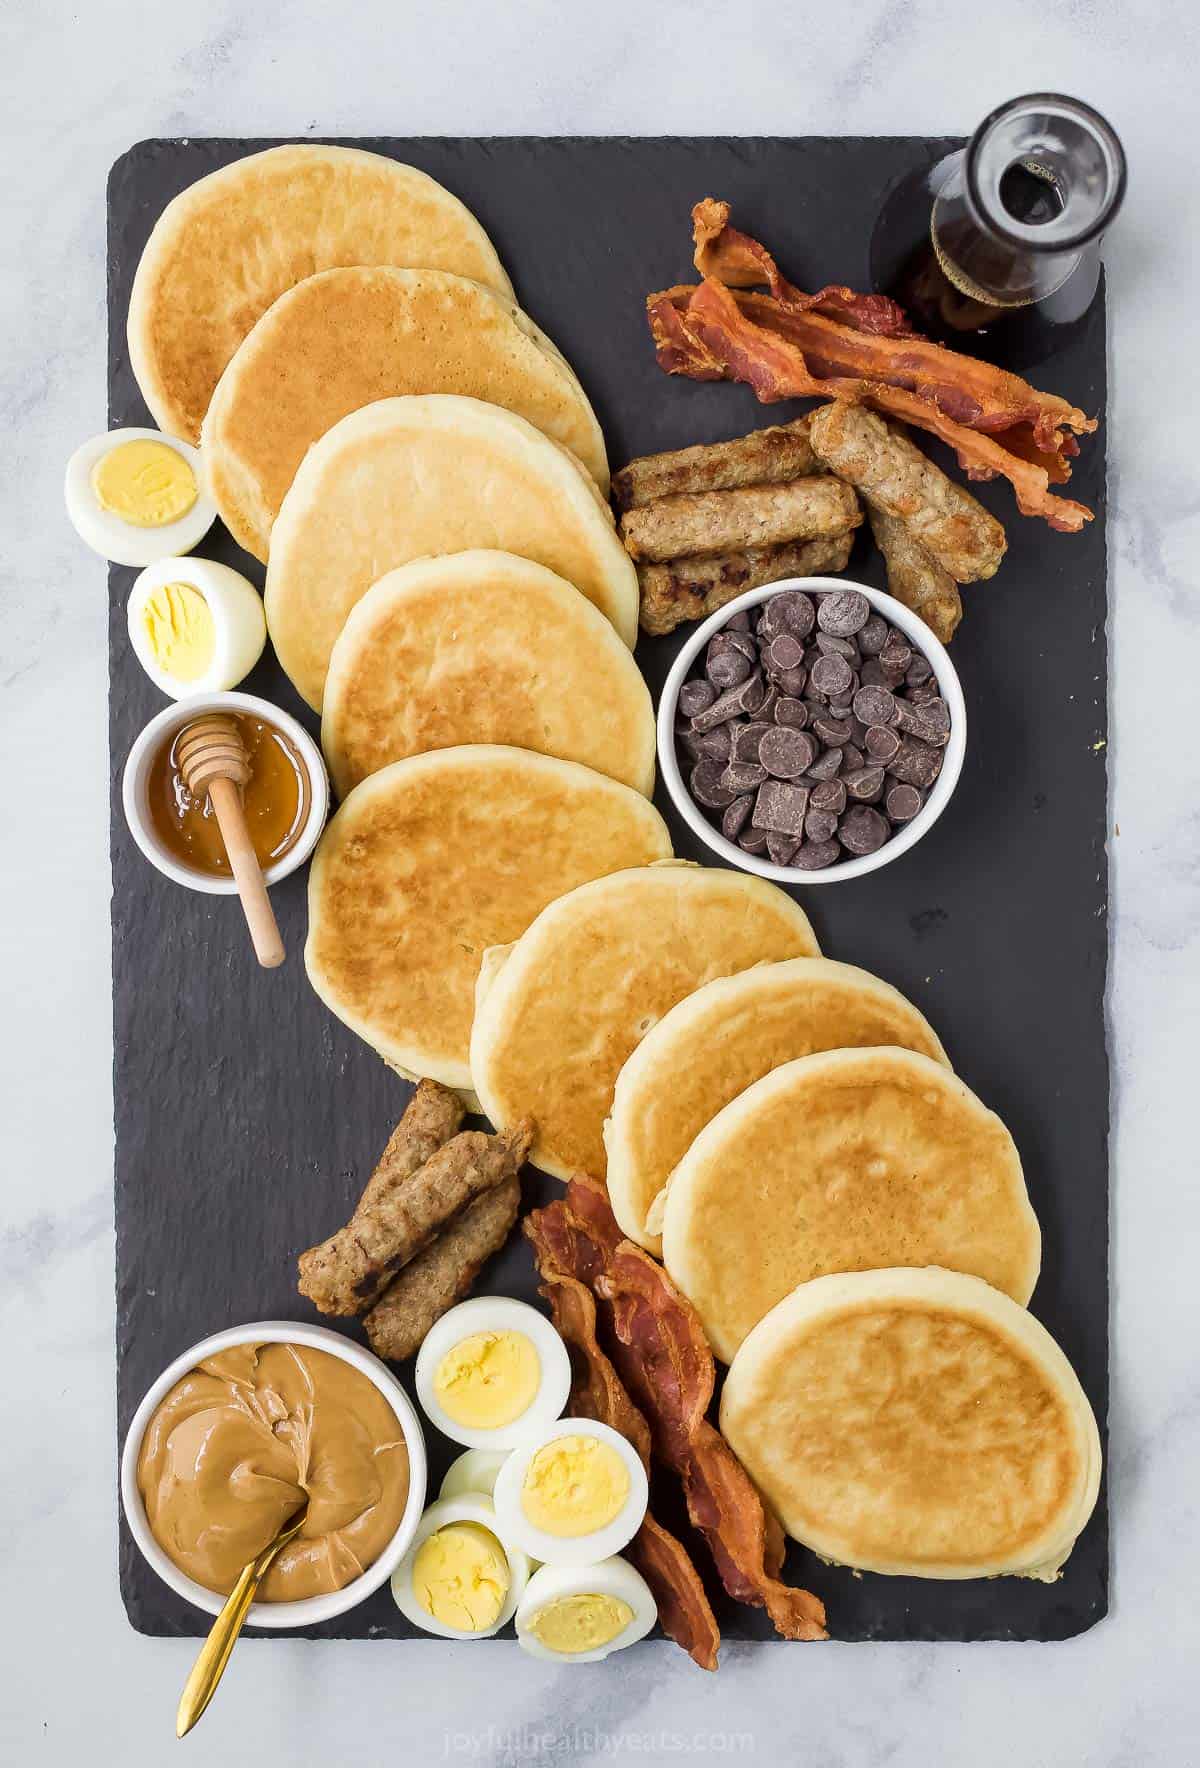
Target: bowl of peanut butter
pixel 237 1433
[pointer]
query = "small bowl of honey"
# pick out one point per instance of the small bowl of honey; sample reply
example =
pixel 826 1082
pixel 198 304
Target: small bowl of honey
pixel 285 801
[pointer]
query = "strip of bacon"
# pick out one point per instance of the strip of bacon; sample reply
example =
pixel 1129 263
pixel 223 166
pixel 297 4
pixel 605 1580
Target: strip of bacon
pixel 596 1392
pixel 663 1359
pixel 786 344
pixel 741 262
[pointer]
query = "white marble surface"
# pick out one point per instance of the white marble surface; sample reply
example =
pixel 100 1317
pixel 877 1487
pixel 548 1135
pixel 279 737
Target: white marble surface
pixel 80 83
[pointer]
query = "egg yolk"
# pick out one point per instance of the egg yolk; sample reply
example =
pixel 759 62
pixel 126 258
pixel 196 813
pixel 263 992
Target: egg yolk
pixel 180 630
pixel 460 1575
pixel 487 1380
pixel 146 484
pixel 583 1622
pixel 574 1486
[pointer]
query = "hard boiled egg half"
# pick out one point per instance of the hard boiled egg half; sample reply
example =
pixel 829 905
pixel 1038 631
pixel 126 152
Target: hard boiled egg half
pixel 196 627
pixel 572 1493
pixel 579 1614
pixel 492 1370
pixel 136 495
pixel 460 1579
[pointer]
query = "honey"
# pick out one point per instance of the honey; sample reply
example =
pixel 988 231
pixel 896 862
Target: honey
pixel 276 801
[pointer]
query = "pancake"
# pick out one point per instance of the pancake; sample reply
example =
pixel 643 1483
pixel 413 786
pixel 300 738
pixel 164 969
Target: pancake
pixel 715 1044
pixel 483 647
pixel 559 1012
pixel 345 338
pixel 432 860
pixel 917 1423
pixel 231 243
pixel 420 477
pixel 851 1160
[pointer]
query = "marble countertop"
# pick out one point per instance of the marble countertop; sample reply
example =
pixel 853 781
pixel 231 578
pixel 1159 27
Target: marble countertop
pixel 81 84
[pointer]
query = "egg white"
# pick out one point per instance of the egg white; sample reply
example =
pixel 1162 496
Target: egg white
pixel 474 1471
pixel 123 542
pixel 495 1313
pixel 238 619
pixel 609 1577
pixel 471 1507
pixel 577 1549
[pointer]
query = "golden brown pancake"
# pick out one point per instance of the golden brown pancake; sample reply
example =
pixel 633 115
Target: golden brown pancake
pixel 421 477
pixel 432 860
pixel 559 1012
pixel 345 338
pixel 715 1044
pixel 483 647
pixel 231 243
pixel 915 1422
pixel 851 1160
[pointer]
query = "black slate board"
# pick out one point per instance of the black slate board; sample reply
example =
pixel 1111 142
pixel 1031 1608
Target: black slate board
pixel 247 1117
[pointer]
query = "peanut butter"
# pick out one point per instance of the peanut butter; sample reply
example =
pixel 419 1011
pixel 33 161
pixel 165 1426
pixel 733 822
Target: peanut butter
pixel 235 1447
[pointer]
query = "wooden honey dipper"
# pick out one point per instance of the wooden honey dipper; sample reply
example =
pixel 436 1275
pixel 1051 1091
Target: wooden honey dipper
pixel 212 762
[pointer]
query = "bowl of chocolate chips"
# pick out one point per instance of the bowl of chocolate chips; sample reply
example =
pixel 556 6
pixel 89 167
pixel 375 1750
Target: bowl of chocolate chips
pixel 812 730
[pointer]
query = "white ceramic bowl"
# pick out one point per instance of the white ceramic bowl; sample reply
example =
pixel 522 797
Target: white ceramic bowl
pixel 161 729
pixel 913 627
pixel 311 1609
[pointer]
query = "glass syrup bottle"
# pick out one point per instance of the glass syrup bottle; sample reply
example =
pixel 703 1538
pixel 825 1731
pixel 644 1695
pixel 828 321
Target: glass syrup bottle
pixel 1011 222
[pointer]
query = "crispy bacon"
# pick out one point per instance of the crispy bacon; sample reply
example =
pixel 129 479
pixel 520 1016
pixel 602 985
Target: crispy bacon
pixel 663 1359
pixel 596 1392
pixel 786 344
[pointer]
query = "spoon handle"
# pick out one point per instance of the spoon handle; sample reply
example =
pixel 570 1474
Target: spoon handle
pixel 209 1667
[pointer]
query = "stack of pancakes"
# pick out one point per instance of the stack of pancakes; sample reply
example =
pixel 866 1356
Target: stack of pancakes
pixel 495 904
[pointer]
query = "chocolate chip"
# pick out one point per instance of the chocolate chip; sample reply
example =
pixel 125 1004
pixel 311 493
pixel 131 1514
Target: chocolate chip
pixel 707 788
pixel 728 668
pixel 737 815
pixel 747 696
pixel 831 646
pixel 752 840
pixel 781 808
pixel 897 653
pixel 830 675
pixel 852 758
pixel 783 653
pixel 785 752
pixel 871 636
pixel 746 738
pixel 770 699
pixel 791 712
pixel 792 681
pixel 814 856
pixel 829 795
pixel 696 696
pixel 843 613
pixel 902 803
pixel 820 825
pixel 743 776
pixel 862 830
pixel 865 784
pixel 915 763
pixel 881 744
pixel 780 849
pixel 826 766
pixel 875 705
pixel 715 745
pixel 739 622
pixel 791 611
pixel 871 674
pixel 918 671
pixel 832 731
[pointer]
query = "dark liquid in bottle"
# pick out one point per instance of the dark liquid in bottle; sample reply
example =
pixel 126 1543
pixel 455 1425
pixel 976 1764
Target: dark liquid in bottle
pixel 921 271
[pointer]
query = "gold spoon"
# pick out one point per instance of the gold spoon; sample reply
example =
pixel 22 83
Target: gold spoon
pixel 209 1667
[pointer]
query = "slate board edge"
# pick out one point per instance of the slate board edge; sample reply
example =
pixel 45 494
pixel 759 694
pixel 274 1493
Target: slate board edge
pixel 357 1624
